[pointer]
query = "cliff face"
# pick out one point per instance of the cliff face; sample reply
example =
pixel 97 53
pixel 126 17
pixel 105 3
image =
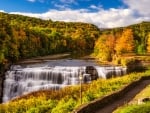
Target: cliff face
pixel 3 69
pixel 1 81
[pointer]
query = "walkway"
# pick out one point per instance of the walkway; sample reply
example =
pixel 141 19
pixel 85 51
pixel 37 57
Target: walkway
pixel 125 99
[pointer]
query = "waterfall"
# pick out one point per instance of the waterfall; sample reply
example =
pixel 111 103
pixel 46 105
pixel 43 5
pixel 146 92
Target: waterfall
pixel 56 74
pixel 110 71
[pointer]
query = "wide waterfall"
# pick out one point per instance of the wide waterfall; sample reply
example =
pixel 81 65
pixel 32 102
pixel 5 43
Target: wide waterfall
pixel 54 74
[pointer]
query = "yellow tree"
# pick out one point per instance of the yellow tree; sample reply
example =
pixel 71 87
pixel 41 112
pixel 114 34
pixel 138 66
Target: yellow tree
pixel 148 43
pixel 125 43
pixel 104 47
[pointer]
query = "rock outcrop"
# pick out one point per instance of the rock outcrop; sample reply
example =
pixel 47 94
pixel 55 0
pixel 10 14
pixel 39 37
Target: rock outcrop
pixel 92 71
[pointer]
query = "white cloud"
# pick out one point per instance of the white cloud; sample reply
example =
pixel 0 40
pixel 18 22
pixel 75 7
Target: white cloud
pixel 60 6
pixel 2 11
pixel 141 6
pixel 102 18
pixel 36 0
pixel 96 7
pixel 68 1
pixel 63 4
pixel 135 13
pixel 31 0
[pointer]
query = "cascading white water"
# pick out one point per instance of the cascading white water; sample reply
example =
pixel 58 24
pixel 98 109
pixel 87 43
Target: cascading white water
pixel 53 75
pixel 110 71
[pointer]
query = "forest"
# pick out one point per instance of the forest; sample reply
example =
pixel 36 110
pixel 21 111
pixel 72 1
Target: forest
pixel 25 37
pixel 114 42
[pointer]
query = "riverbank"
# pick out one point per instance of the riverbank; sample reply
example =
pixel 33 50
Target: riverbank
pixel 43 58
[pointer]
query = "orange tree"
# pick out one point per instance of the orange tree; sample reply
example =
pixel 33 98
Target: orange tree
pixel 148 43
pixel 125 43
pixel 104 47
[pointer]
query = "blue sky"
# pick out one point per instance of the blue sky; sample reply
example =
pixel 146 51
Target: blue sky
pixel 39 6
pixel 103 13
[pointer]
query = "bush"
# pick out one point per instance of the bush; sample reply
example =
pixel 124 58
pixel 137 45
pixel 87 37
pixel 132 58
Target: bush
pixel 117 61
pixel 88 96
pixel 132 64
pixel 64 106
pixel 40 109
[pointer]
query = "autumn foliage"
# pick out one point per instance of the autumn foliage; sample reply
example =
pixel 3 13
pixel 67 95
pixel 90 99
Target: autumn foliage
pixel 125 43
pixel 109 45
pixel 148 43
pixel 25 37
pixel 104 47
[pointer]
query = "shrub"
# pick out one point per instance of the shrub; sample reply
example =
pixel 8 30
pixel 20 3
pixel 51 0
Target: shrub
pixel 134 65
pixel 117 61
pixel 88 96
pixel 64 106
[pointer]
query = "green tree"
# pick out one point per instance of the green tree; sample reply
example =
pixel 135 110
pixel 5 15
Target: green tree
pixel 4 38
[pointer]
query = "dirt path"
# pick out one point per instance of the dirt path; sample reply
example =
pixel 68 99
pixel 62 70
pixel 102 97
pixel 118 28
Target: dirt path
pixel 124 99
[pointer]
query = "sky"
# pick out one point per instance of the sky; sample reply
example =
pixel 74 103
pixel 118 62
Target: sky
pixel 102 13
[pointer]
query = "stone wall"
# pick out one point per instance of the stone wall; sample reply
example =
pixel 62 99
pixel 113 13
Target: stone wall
pixel 100 103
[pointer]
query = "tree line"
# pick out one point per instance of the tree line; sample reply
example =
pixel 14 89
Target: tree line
pixel 25 37
pixel 118 41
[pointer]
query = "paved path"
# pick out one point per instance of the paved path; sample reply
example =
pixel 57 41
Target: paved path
pixel 125 99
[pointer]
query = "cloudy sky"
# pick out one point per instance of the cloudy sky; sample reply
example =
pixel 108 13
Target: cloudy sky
pixel 103 13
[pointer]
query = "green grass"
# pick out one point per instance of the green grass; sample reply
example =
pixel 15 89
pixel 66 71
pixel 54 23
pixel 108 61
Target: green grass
pixel 67 99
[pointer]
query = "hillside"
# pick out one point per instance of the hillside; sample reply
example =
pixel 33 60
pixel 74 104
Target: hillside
pixel 25 37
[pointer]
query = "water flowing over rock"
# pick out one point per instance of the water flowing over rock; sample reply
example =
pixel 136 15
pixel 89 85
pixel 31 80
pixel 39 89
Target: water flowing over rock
pixel 53 75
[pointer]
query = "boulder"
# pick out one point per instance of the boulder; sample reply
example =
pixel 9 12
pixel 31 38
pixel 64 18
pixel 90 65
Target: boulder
pixel 92 71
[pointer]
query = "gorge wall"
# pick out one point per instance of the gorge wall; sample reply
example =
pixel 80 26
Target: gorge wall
pixel 3 69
